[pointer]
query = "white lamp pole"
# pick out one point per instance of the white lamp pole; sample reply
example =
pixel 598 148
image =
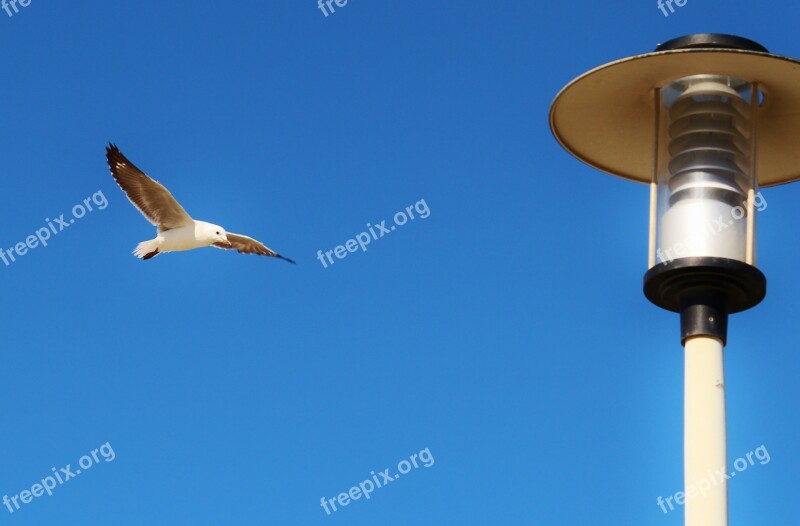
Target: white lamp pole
pixel 705 448
pixel 705 120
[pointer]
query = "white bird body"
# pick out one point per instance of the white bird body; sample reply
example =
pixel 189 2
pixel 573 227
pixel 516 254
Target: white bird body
pixel 177 231
pixel 197 235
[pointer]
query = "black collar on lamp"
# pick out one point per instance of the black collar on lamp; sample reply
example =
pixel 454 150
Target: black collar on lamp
pixel 706 120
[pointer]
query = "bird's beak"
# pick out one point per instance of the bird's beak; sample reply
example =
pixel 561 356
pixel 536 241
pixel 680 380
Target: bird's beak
pixel 223 244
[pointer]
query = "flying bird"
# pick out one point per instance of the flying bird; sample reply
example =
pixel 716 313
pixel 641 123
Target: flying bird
pixel 176 230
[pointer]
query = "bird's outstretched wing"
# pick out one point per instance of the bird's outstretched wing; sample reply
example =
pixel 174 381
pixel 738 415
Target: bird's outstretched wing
pixel 248 245
pixel 151 198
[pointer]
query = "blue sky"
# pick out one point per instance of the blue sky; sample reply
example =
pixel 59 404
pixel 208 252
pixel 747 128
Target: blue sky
pixel 505 333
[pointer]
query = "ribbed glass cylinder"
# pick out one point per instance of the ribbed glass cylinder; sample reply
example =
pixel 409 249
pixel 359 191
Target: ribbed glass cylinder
pixel 706 169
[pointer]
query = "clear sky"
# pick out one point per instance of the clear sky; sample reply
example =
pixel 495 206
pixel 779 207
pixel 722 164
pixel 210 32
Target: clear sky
pixel 503 338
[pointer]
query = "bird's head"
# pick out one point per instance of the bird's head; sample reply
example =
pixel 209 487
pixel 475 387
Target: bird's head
pixel 219 238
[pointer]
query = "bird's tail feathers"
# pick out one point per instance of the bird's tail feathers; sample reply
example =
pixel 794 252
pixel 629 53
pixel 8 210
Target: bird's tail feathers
pixel 147 249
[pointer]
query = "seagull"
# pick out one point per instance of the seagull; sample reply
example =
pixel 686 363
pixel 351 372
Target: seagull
pixel 176 230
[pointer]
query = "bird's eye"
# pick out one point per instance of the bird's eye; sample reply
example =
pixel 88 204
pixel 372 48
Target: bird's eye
pixel 217 233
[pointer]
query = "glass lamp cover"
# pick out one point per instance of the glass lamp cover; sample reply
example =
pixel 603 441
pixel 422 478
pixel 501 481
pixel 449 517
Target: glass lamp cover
pixel 705 169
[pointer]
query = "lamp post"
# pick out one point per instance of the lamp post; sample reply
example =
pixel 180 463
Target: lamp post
pixel 706 120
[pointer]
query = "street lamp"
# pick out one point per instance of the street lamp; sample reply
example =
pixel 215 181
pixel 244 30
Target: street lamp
pixel 706 120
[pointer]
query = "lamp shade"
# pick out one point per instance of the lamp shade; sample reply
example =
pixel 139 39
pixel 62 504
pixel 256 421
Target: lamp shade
pixel 605 116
